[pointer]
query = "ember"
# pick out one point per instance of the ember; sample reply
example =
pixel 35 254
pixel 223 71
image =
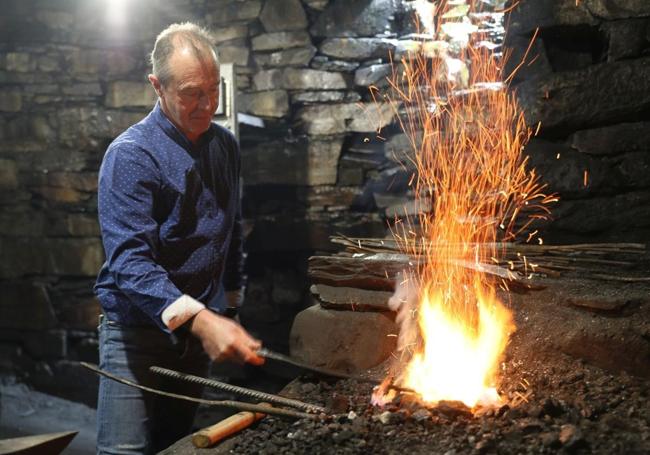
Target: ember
pixel 467 133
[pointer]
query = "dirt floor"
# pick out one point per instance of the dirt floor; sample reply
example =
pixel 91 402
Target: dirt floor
pixel 580 356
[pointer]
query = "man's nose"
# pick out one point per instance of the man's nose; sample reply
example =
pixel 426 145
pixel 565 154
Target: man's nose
pixel 204 101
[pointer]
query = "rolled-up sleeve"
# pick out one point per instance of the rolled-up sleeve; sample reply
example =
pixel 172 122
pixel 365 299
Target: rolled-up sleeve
pixel 129 180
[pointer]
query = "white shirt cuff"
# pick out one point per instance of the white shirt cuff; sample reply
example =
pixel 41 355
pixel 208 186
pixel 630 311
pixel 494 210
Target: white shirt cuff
pixel 180 311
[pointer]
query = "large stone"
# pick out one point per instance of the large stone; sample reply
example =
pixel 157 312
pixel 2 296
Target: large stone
pixel 75 257
pixel 268 80
pixel 627 39
pixel 280 40
pixel 357 48
pixel 23 256
pixel 528 15
pixel 129 94
pixel 290 57
pixel 347 341
pixel 575 100
pixel 110 62
pixel 230 33
pixel 338 118
pixel 232 52
pixel 76 225
pixel 321 62
pixel 352 299
pixel 10 101
pixel 312 162
pixel 22 222
pixel 612 140
pixel 83 181
pixel 79 313
pixel 325 97
pixel 18 61
pixel 25 306
pixel 373 75
pixel 57 20
pixel 308 79
pixel 233 11
pixel 283 15
pixel 8 174
pixel 622 218
pixel 358 18
pixel 563 169
pixel 273 103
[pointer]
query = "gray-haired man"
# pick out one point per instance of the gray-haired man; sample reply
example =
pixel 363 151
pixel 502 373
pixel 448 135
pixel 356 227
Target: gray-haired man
pixel 170 218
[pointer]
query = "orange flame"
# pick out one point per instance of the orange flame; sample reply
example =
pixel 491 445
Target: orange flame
pixel 471 185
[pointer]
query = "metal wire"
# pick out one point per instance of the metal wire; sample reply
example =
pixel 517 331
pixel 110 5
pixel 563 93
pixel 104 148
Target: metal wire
pixel 239 405
pixel 263 396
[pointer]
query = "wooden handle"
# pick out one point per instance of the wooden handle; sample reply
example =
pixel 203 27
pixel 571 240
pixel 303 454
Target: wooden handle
pixel 211 435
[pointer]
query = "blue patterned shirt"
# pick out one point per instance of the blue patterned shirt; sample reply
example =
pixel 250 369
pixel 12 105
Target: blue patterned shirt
pixel 170 219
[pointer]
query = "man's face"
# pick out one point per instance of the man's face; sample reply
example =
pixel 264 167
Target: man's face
pixel 191 97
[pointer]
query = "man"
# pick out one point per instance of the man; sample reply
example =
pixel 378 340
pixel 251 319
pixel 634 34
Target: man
pixel 169 214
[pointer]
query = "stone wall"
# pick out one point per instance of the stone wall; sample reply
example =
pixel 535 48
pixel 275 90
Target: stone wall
pixel 589 86
pixel 70 81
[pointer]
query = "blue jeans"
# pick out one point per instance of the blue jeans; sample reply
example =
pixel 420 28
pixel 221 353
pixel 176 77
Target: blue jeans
pixel 132 421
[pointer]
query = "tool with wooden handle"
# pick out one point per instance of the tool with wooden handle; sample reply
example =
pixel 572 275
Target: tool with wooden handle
pixel 209 436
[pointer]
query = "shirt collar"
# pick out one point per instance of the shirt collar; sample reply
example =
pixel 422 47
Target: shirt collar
pixel 175 134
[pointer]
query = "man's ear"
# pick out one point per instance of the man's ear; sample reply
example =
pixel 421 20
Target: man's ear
pixel 156 85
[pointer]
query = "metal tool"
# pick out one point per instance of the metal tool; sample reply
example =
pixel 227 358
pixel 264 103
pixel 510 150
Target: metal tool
pixel 240 405
pixel 267 354
pixel 239 390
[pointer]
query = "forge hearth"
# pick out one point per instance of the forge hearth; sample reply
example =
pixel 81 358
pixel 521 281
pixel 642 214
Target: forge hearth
pixel 574 378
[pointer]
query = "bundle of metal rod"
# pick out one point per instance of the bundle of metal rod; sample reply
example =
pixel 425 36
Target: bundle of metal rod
pixel 268 397
pixel 240 405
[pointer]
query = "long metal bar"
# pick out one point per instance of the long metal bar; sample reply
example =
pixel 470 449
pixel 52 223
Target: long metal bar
pixel 263 396
pixel 263 352
pixel 240 405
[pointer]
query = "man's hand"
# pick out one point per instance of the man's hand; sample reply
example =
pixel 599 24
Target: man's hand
pixel 224 339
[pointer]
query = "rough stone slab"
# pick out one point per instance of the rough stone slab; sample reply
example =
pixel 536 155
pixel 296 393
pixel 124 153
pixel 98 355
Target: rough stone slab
pixel 268 80
pixel 612 140
pixel 530 14
pixel 233 53
pixel 272 103
pixel 79 313
pixel 346 341
pixel 229 12
pixel 579 99
pixel 344 298
pixel 289 57
pixel 129 93
pixel 566 174
pixel 76 257
pixel 10 101
pixel 18 61
pixel 230 33
pixel 357 18
pixel 309 79
pixel 280 40
pixel 328 96
pixel 627 38
pixel 372 75
pixel 338 118
pixel 283 15
pixel 26 257
pixel 26 306
pixel 357 48
pixel 321 62
pixel 311 162
pixel 8 174
pixel 612 341
pixel 620 218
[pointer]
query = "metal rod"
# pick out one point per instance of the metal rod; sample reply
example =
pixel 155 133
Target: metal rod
pixel 240 405
pixel 263 352
pixel 263 396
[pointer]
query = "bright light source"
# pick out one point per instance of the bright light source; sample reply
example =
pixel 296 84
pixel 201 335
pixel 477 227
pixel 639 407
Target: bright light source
pixel 116 11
